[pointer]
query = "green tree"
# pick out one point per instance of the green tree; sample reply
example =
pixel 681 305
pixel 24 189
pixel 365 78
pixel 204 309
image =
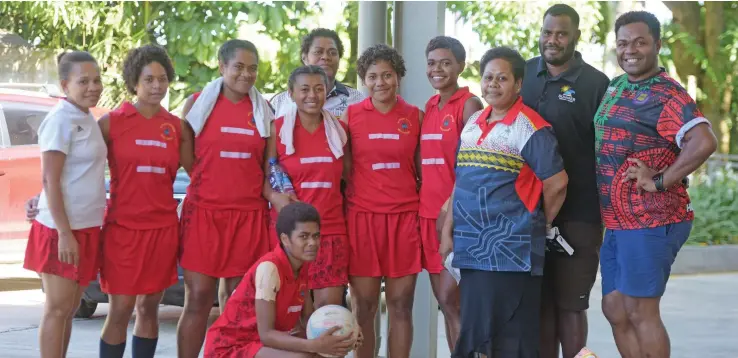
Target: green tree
pixel 518 24
pixel 190 31
pixel 350 29
pixel 702 41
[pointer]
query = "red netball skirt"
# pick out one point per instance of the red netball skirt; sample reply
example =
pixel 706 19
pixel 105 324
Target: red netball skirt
pixel 138 262
pixel 221 243
pixel 330 268
pixel 430 258
pixel 383 245
pixel 42 253
pixel 243 350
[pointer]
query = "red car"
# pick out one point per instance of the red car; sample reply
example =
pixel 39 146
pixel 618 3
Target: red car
pixel 21 111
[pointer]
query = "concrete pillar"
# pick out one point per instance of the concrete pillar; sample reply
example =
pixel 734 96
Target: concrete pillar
pixel 416 22
pixel 372 27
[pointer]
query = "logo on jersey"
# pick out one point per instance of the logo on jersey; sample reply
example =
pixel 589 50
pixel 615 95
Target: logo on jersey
pixel 252 121
pixel 403 126
pixel 167 131
pixel 567 94
pixel 641 97
pixel 446 123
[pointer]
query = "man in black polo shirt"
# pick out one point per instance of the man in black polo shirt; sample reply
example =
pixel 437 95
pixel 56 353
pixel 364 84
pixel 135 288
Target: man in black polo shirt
pixel 566 92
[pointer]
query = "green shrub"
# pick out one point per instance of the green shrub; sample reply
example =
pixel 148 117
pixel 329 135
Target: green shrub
pixel 715 201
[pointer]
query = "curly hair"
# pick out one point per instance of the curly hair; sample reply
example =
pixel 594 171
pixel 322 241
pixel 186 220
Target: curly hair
pixel 449 43
pixel 380 52
pixel 140 57
pixel 307 41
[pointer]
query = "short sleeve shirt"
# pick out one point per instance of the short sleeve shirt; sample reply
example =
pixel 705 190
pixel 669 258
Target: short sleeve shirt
pixel 569 102
pixel 75 133
pixel 336 102
pixel 645 120
pixel 499 223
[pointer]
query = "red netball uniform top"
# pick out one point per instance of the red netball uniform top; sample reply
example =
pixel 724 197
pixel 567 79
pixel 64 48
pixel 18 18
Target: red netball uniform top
pixel 383 165
pixel 143 156
pixel 439 139
pixel 237 325
pixel 227 172
pixel 316 174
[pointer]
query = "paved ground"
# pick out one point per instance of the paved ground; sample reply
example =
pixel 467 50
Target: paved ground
pixel 701 313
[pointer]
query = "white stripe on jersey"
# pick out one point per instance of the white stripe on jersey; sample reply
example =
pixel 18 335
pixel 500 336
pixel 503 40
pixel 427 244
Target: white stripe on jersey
pixel 150 169
pixel 436 136
pixel 294 309
pixel 310 160
pixel 384 136
pixel 433 161
pixel 236 130
pixel 380 166
pixel 235 155
pixel 316 185
pixel 150 143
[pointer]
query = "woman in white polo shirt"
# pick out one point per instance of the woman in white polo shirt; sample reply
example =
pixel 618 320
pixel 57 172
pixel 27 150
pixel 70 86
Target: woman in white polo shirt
pixel 64 242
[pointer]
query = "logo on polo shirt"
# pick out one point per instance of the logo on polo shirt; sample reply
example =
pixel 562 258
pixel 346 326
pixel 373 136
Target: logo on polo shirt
pixel 446 122
pixel 567 94
pixel 167 131
pixel 251 122
pixel 79 129
pixel 403 126
pixel 641 97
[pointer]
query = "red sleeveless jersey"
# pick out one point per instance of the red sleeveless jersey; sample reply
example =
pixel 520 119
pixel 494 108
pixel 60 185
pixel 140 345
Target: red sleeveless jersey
pixel 383 174
pixel 143 156
pixel 439 139
pixel 237 325
pixel 228 171
pixel 316 174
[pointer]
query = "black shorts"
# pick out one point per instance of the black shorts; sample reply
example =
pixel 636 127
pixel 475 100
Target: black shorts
pixel 568 280
pixel 500 314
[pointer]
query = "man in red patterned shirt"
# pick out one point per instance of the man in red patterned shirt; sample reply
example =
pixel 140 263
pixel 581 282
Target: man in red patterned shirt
pixel 649 135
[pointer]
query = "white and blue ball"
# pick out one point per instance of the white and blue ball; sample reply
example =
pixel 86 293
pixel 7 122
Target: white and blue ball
pixel 329 316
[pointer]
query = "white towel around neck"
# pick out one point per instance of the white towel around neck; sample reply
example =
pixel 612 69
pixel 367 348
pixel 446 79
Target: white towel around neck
pixel 203 106
pixel 333 131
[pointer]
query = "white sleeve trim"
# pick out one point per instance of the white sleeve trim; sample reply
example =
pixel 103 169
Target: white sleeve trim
pixel 266 281
pixel 686 127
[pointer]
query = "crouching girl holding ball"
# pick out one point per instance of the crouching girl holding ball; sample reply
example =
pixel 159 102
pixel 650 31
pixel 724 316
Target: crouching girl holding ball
pixel 266 315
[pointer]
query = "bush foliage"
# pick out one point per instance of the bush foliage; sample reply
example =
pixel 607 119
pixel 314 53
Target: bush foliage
pixel 715 201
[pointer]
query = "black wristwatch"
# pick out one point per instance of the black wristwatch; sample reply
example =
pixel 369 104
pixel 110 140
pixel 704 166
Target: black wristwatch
pixel 658 180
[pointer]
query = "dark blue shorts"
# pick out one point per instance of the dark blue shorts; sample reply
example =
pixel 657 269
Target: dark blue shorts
pixel 638 263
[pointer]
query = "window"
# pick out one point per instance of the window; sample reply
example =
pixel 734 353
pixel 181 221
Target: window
pixel 22 123
pixel 23 126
